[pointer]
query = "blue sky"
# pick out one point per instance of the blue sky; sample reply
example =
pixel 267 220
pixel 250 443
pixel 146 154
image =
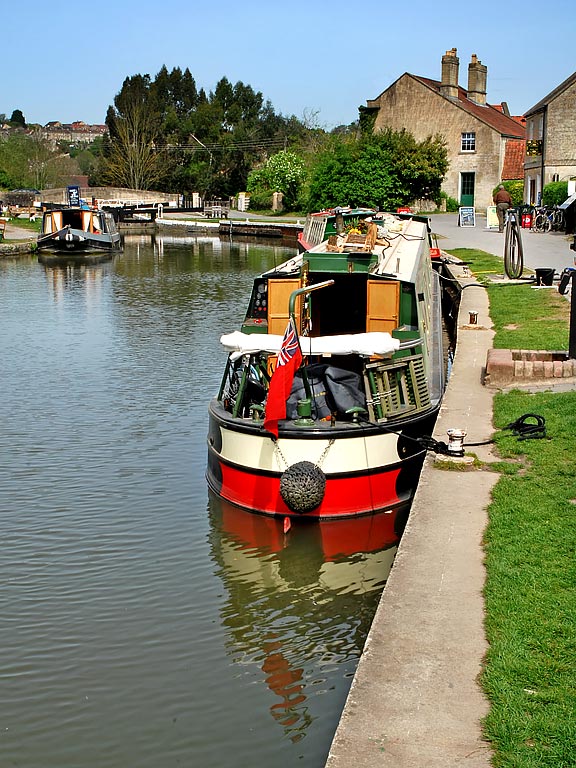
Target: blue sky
pixel 321 60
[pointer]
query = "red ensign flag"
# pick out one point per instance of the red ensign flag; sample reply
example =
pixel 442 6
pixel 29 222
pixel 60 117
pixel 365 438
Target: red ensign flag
pixel 289 359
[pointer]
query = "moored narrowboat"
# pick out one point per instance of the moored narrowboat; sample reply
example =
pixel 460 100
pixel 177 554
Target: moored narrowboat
pixel 321 225
pixel 333 380
pixel 87 233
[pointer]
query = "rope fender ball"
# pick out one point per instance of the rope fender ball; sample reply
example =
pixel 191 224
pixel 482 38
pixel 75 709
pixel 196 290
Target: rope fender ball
pixel 302 486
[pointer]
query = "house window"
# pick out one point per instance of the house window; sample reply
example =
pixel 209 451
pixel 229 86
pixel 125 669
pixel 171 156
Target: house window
pixel 468 142
pixel 555 177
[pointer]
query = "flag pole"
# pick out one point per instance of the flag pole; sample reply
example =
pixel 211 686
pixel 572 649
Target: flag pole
pixel 291 309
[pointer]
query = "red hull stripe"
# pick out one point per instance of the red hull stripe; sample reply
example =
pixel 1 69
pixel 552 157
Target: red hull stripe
pixel 344 496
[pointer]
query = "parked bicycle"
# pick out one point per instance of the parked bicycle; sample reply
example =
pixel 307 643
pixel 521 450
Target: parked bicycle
pixel 513 249
pixel 548 218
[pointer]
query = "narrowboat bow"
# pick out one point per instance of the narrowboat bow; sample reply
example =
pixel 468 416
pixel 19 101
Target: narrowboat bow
pixel 336 375
pixel 90 234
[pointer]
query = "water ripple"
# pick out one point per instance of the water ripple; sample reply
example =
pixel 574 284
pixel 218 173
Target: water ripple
pixel 139 616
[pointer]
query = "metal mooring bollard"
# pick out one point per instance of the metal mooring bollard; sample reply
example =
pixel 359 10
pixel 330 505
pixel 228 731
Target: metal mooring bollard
pixel 456 441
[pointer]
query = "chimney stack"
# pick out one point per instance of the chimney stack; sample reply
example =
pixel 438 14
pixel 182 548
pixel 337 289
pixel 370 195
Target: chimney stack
pixel 449 84
pixel 477 81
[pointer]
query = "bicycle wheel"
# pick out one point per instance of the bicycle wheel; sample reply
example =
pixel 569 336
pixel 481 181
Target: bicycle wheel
pixel 541 223
pixel 513 251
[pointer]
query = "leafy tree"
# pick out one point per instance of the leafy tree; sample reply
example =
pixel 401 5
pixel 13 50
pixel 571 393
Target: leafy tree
pixel 28 161
pixel 383 170
pixel 208 142
pixel 283 172
pixel 131 155
pixel 5 180
pixel 88 160
pixel 17 119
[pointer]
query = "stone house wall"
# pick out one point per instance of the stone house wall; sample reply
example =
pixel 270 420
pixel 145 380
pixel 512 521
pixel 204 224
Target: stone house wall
pixel 410 104
pixel 560 148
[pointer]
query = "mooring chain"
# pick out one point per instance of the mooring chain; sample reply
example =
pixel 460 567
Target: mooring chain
pixel 279 453
pixel 318 464
pixel 324 453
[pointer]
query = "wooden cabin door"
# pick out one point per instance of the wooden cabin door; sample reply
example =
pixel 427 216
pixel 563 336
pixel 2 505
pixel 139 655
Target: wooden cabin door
pixel 383 305
pixel 278 300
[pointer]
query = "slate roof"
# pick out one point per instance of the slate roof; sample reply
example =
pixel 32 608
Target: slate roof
pixel 495 118
pixel 492 116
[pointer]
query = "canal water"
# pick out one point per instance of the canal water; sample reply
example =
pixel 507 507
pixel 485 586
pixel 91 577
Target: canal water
pixel 143 623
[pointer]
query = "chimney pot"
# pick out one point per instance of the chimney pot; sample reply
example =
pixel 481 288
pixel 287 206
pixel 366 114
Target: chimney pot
pixel 477 73
pixel 449 83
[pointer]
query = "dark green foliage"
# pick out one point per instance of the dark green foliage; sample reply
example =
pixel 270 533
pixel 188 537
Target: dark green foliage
pixel 451 202
pixel 384 170
pixel 17 119
pixel 190 140
pixel 260 201
pixel 515 189
pixel 555 193
pixel 5 180
pixel 366 120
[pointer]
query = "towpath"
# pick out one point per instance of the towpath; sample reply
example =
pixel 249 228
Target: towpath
pixel 541 250
pixel 415 701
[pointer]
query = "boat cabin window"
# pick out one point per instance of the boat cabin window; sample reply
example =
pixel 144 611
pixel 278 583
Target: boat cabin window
pixel 340 308
pixel 72 218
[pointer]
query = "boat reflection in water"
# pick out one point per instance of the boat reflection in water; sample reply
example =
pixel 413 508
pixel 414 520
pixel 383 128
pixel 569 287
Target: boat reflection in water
pixel 299 604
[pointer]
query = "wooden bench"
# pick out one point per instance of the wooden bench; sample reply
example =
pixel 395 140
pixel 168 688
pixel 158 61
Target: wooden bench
pixel 14 211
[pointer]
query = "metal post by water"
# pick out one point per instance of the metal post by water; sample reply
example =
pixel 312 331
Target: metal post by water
pixel 572 336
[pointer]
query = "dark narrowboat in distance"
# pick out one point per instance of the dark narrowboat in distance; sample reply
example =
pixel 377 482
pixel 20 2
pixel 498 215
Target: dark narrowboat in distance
pixel 84 234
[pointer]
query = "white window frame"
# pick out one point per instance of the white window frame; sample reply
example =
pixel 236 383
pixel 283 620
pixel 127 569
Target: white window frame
pixel 468 138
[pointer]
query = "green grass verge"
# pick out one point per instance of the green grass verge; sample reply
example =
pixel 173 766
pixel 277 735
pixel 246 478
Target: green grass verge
pixel 530 595
pixel 530 592
pixel 524 317
pixel 31 226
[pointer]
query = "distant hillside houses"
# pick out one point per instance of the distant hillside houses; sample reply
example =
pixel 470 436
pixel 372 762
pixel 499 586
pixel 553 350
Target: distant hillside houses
pixel 78 131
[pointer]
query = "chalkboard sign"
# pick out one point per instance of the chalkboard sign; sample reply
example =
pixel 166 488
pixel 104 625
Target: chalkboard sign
pixel 73 195
pixel 466 217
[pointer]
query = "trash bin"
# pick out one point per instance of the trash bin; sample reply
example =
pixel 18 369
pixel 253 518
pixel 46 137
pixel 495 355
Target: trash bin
pixel 544 276
pixel 526 212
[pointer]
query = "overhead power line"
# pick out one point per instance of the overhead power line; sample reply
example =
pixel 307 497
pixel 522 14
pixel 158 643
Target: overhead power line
pixel 239 146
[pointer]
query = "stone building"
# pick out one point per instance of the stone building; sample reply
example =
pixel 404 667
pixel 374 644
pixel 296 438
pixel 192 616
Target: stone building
pixel 73 133
pixel 482 139
pixel 550 140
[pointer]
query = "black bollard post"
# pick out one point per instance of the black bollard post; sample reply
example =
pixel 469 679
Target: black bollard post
pixel 572 336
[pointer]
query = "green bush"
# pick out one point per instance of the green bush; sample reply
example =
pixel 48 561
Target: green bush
pixel 451 203
pixel 515 190
pixel 555 193
pixel 261 200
